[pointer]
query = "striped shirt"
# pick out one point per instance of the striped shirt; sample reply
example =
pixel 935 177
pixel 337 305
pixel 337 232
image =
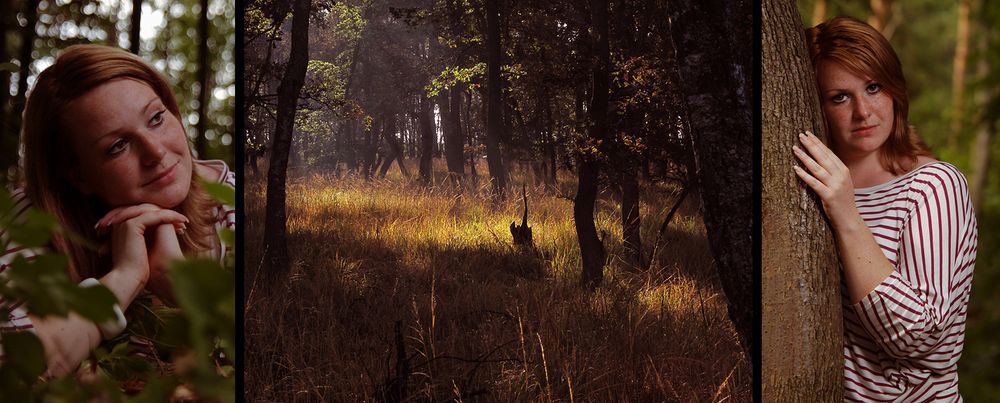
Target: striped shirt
pixel 903 340
pixel 18 319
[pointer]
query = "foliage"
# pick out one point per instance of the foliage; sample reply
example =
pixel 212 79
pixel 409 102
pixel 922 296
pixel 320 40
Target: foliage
pixel 194 344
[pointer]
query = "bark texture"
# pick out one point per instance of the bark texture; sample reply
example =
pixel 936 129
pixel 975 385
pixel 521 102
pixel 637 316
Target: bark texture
pixel 713 44
pixel 494 122
pixel 591 247
pixel 275 224
pixel 801 321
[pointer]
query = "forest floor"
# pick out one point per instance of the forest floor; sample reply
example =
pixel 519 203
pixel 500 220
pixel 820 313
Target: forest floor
pixel 383 269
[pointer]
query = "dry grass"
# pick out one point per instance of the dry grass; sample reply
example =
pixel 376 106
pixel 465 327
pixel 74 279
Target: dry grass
pixel 479 319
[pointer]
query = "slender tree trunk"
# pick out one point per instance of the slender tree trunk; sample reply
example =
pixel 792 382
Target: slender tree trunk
pixel 958 73
pixel 8 137
pixel 591 248
pixel 494 120
pixel 982 146
pixel 426 139
pixel 819 12
pixel 713 47
pixel 453 137
pixel 630 216
pixel 27 45
pixel 802 325
pixel 133 35
pixel 880 14
pixel 204 65
pixel 275 224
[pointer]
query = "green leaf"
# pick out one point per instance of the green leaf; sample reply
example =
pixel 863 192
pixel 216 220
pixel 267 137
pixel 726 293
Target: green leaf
pixel 23 354
pixel 221 192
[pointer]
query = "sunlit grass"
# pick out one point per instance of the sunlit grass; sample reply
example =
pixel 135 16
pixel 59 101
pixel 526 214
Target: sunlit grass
pixel 480 318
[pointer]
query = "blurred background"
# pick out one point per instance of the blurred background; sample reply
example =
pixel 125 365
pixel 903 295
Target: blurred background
pixel 190 41
pixel 950 51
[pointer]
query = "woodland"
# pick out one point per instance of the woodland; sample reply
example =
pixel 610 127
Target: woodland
pixel 501 200
pixel 950 52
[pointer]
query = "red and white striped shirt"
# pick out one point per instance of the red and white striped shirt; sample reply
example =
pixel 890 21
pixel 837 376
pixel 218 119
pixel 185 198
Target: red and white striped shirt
pixel 903 340
pixel 18 319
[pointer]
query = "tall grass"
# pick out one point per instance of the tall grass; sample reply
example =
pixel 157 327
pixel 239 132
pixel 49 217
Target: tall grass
pixel 478 319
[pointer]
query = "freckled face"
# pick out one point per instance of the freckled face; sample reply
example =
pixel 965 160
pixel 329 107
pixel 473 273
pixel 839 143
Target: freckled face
pixel 859 113
pixel 131 149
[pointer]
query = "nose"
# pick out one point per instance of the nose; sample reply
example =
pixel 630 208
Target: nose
pixel 152 149
pixel 862 108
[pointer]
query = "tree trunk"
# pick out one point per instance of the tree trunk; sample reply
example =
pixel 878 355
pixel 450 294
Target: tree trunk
pixel 630 216
pixel 802 324
pixel 713 49
pixel 426 139
pixel 133 35
pixel 982 147
pixel 275 225
pixel 819 12
pixel 27 45
pixel 958 73
pixel 591 248
pixel 453 138
pixel 201 142
pixel 8 138
pixel 494 121
pixel 880 14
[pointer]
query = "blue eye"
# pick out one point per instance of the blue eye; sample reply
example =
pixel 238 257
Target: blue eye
pixel 839 98
pixel 874 88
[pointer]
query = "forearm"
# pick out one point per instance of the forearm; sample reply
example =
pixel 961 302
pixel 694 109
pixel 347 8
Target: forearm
pixel 69 340
pixel 864 264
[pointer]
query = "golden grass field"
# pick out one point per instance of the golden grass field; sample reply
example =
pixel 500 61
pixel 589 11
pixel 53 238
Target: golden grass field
pixel 479 319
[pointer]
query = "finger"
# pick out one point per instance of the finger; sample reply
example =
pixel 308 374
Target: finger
pixel 154 218
pixel 815 168
pixel 123 213
pixel 810 181
pixel 824 155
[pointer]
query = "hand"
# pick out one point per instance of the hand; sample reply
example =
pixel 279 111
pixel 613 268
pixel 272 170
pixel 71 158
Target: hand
pixel 129 226
pixel 164 249
pixel 828 177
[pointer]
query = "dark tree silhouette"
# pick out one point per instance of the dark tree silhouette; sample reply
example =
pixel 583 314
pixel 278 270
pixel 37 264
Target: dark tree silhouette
pixel 712 40
pixel 275 225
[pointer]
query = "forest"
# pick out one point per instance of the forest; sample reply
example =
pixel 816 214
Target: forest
pixel 509 200
pixel 950 52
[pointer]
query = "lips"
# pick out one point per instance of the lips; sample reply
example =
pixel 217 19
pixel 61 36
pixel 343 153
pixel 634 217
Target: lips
pixel 163 178
pixel 864 130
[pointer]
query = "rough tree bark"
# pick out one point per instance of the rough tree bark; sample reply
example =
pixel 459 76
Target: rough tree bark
pixel 494 122
pixel 591 248
pixel 713 43
pixel 801 320
pixel 275 225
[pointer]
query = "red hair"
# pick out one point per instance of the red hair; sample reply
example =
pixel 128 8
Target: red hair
pixel 863 51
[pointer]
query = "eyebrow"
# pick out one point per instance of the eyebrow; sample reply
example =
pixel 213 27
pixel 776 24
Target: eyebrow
pixel 119 131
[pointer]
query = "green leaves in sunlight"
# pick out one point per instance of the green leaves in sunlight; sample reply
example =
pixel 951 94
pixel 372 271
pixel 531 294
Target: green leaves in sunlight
pixel 221 192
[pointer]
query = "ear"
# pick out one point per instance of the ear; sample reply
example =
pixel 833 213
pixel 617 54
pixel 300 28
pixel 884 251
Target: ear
pixel 79 183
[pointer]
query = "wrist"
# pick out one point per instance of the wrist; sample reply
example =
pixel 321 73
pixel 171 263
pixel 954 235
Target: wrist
pixel 125 284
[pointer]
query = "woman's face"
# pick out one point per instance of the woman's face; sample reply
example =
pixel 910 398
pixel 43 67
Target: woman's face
pixel 131 149
pixel 859 113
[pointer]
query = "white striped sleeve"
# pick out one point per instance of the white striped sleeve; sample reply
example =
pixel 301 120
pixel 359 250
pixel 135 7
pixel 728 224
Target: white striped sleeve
pixel 918 312
pixel 17 318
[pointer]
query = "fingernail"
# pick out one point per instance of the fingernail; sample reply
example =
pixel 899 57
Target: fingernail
pixel 810 133
pixel 802 134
